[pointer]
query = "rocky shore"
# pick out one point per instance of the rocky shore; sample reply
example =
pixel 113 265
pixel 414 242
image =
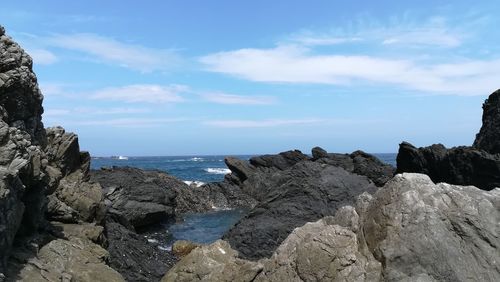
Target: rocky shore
pixel 318 217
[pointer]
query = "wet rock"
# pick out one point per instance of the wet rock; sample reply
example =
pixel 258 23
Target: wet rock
pixel 182 248
pixel 132 255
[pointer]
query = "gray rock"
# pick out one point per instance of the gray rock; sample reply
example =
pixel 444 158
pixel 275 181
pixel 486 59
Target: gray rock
pixel 410 230
pixel 460 165
pixel 280 161
pixel 303 193
pixel 488 138
pixel 142 197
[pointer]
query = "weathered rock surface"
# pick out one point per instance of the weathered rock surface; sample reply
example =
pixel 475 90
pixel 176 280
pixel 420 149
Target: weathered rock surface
pixel 142 197
pixel 478 165
pixel 460 165
pixel 357 162
pixel 305 192
pixel 22 162
pixel 38 169
pixel 488 137
pixel 132 255
pixel 182 248
pixel 216 262
pixel 410 230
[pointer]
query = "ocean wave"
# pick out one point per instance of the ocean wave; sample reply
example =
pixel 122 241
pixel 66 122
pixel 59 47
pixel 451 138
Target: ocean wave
pixel 197 183
pixel 217 170
pixel 196 159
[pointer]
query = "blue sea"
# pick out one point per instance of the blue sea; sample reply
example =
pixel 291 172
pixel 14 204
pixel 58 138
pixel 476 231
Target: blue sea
pixel 197 227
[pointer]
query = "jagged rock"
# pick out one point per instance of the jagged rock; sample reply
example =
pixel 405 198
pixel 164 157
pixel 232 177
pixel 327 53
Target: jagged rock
pixel 216 262
pixel 90 231
pixel 63 151
pixel 22 162
pixel 241 168
pixel 281 161
pixel 357 162
pixel 182 248
pixel 410 230
pixel 488 137
pixel 220 195
pixel 143 197
pixel 459 165
pixel 132 255
pixel 305 192
pixel 75 259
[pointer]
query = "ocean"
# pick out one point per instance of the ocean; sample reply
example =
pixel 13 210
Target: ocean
pixel 197 227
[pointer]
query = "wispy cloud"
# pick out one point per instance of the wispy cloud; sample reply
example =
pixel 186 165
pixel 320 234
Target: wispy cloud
pixel 322 40
pixel 132 122
pixel 260 123
pixel 231 99
pixel 145 93
pixel 292 64
pixel 112 51
pixel 93 111
pixel 42 56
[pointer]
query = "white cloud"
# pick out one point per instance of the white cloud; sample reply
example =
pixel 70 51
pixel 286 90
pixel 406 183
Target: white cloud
pixel 132 122
pixel 224 98
pixel 260 123
pixel 322 40
pixel 42 56
pixel 112 51
pixel 292 64
pixel 145 93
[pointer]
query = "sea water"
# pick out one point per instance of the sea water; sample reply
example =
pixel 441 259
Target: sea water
pixel 197 227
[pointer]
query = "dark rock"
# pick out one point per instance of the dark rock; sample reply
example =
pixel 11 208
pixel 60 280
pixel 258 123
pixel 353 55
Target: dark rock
pixel 410 230
pixel 488 138
pixel 358 162
pixel 318 153
pixel 143 197
pixel 459 165
pixel 281 161
pixel 221 195
pixel 305 192
pixel 242 169
pixel 132 255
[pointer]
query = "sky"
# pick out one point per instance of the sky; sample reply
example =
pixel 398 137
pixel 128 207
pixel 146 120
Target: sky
pixel 141 78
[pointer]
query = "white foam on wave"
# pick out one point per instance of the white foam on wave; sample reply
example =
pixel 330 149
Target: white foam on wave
pixel 217 170
pixel 196 159
pixel 197 183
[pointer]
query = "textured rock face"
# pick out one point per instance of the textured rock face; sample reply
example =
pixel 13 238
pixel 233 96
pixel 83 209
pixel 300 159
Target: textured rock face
pixel 40 169
pixel 142 197
pixel 22 162
pixel 305 192
pixel 488 137
pixel 410 230
pixel 132 255
pixel 216 262
pixel 460 165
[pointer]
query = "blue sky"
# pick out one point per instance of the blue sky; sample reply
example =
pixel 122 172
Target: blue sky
pixel 247 77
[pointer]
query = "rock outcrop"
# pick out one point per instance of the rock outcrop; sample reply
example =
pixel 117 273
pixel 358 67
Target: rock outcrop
pixel 409 230
pixel 143 197
pixel 305 192
pixel 488 137
pixel 478 165
pixel 460 165
pixel 43 175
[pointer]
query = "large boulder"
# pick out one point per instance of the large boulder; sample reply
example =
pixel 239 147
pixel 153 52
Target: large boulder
pixel 143 197
pixel 280 161
pixel 488 137
pixel 460 165
pixel 409 230
pixel 305 192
